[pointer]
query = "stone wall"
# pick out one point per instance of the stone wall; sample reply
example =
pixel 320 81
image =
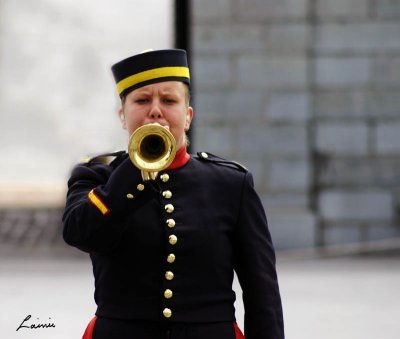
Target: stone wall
pixel 305 93
pixel 356 118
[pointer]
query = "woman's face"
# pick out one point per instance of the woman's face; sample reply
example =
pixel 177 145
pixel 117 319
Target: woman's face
pixel 165 103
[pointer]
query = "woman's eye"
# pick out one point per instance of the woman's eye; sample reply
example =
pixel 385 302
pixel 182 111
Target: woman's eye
pixel 169 100
pixel 141 101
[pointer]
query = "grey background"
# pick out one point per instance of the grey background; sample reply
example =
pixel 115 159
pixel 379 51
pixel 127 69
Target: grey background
pixel 305 93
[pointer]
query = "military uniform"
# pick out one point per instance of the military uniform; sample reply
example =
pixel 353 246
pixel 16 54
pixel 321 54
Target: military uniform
pixel 164 252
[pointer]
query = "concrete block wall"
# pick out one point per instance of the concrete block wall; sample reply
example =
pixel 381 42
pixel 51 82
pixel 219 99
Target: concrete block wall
pixel 356 119
pixel 253 102
pixel 305 93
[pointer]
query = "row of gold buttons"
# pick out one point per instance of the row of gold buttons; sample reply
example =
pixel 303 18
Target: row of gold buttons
pixel 169 208
pixel 172 239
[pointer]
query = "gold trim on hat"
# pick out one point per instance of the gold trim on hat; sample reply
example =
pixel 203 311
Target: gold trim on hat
pixel 151 74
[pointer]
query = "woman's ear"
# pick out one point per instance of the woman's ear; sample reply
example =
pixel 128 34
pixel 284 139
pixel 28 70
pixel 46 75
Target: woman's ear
pixel 189 117
pixel 121 115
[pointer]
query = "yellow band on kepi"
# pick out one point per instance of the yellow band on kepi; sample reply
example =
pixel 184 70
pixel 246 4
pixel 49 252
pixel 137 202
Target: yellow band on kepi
pixel 151 74
pixel 96 201
pixel 150 67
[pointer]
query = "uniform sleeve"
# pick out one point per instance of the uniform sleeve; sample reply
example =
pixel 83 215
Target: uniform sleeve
pixel 99 201
pixel 255 267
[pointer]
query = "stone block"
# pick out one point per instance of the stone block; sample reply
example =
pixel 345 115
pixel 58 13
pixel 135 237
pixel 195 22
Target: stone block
pixel 340 104
pixel 261 10
pixel 383 104
pixel 257 168
pixel 387 174
pixel 275 38
pixel 229 107
pixel 289 107
pixel 217 140
pixel 387 8
pixel 292 228
pixel 254 139
pixel 342 8
pixel 286 200
pixel 263 72
pixel 244 106
pixel 364 37
pixel 388 138
pixel 370 172
pixel 209 106
pixel 277 141
pixel 286 38
pixel 343 139
pixel 225 38
pixel 387 70
pixel 353 232
pixel 211 72
pixel 383 231
pixel 342 71
pixel 290 175
pixel 357 104
pixel 339 172
pixel 339 234
pixel 357 205
pixel 211 10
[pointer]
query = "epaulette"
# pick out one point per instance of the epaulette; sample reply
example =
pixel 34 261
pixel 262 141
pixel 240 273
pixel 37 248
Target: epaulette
pixel 104 158
pixel 205 156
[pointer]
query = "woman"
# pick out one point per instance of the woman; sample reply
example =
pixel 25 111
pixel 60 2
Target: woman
pixel 164 250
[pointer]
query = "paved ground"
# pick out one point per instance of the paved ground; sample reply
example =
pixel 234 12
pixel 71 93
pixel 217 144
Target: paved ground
pixel 346 298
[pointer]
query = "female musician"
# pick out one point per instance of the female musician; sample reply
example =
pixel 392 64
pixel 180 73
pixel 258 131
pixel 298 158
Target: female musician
pixel 164 246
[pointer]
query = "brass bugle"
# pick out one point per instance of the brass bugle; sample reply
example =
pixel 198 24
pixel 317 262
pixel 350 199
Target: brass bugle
pixel 151 149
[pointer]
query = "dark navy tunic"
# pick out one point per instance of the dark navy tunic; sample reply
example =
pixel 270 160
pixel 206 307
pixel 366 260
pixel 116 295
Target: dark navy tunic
pixel 165 251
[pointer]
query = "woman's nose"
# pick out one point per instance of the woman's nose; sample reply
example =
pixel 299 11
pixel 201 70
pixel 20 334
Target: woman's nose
pixel 155 111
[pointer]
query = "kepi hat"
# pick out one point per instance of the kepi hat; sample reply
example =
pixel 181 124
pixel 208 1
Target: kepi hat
pixel 150 67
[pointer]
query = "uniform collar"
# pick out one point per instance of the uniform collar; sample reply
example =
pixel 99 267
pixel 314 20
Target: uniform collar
pixel 181 159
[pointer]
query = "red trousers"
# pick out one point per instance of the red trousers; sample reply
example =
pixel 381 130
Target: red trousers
pixel 103 328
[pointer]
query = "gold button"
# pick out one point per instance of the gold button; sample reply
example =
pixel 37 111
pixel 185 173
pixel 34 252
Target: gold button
pixel 167 313
pixel 130 196
pixel 167 194
pixel 140 187
pixel 168 294
pixel 169 208
pixel 171 223
pixel 204 155
pixel 164 177
pixel 171 258
pixel 169 275
pixel 172 239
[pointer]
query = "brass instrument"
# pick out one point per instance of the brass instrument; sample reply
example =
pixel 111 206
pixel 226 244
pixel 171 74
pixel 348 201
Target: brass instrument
pixel 151 149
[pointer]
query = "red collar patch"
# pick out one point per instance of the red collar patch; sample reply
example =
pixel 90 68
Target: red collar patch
pixel 181 158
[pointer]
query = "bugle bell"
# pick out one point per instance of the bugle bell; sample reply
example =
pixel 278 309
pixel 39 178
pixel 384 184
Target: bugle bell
pixel 151 149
